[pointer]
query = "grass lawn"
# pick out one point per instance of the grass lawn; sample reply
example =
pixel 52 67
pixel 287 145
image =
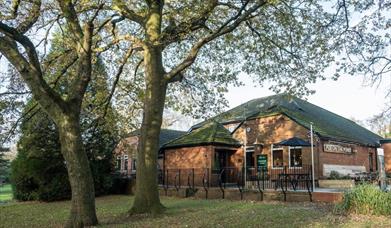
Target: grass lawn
pixel 189 213
pixel 5 193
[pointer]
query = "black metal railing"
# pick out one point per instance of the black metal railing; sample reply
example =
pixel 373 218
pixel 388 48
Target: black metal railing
pixel 281 179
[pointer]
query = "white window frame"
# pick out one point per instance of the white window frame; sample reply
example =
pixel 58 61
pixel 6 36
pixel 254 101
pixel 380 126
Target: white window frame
pixel 289 157
pixel 272 159
pixel 249 149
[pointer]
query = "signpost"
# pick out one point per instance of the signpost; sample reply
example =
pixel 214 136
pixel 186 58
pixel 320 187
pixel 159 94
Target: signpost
pixel 312 158
pixel 382 171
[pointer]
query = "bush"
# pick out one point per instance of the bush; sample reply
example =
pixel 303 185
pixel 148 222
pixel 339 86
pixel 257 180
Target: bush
pixel 39 171
pixel 366 199
pixel 334 175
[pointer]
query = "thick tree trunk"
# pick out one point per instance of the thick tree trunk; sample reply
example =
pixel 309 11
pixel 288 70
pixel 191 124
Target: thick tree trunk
pixel 147 194
pixel 79 172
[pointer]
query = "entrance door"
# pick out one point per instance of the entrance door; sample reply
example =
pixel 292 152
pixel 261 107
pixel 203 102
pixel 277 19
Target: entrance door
pixel 222 163
pixel 370 161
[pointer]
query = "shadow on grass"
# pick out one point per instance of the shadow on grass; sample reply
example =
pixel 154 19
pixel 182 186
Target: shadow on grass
pixel 212 213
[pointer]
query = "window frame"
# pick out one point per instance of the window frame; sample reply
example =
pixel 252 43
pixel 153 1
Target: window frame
pixel 289 157
pixel 273 148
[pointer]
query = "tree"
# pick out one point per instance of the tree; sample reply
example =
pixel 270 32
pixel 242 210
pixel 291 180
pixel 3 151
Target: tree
pixel 21 52
pixel 39 171
pixel 364 42
pixel 286 42
pixel 4 165
pixel 381 124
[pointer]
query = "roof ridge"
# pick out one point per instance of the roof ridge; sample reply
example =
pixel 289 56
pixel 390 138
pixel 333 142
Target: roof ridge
pixel 335 114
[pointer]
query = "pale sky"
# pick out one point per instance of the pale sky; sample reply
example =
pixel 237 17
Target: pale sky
pixel 348 96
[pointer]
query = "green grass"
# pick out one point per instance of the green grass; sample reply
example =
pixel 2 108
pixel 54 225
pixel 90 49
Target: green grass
pixel 189 213
pixel 5 193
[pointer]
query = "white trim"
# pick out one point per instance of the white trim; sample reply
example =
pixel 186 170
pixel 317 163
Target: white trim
pixel 272 161
pixel 289 156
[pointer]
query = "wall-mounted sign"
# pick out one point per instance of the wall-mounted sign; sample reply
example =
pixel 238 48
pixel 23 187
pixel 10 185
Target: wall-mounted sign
pixel 336 148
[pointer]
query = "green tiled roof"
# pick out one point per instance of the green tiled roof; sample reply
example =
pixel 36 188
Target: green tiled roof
pixel 212 133
pixel 325 123
pixel 165 136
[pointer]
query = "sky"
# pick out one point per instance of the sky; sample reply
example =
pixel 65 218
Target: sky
pixel 349 96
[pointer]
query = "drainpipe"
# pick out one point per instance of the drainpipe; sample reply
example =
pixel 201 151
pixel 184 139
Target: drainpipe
pixel 312 158
pixel 244 155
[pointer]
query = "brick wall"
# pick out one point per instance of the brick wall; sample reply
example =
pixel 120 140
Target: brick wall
pixel 359 157
pixel 272 129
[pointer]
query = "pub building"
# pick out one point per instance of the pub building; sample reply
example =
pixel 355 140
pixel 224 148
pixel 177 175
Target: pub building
pixel 273 133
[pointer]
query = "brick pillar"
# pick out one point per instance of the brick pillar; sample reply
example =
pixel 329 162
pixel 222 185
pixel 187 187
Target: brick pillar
pixel 386 145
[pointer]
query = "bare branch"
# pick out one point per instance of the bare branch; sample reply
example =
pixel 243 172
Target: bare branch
pixel 117 77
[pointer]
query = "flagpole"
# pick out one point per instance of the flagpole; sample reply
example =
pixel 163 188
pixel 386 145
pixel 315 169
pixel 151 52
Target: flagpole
pixel 312 158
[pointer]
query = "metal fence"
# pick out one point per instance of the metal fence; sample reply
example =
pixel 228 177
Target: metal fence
pixel 281 178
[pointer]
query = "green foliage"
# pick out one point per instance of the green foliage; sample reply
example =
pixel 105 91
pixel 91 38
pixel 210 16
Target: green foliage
pixel 366 199
pixel 39 171
pixel 4 166
pixel 335 175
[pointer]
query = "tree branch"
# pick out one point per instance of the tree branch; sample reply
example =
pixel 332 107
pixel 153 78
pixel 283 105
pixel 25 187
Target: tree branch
pixel 120 6
pixel 227 27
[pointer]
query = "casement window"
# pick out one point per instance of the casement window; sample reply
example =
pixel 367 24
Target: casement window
pixel 250 156
pixel 295 157
pixel 118 163
pixel 126 163
pixel 277 156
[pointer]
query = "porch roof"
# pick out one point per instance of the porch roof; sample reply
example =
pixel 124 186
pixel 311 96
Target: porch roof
pixel 294 141
pixel 212 133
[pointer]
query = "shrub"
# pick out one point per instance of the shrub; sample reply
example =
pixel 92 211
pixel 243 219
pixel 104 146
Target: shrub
pixel 335 175
pixel 366 199
pixel 39 170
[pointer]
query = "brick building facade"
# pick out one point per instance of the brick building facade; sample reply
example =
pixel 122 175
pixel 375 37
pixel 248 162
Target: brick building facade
pixel 259 125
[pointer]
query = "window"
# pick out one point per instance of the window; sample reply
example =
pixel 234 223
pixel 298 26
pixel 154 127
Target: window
pixel 295 157
pixel 126 163
pixel 118 163
pixel 278 158
pixel 250 156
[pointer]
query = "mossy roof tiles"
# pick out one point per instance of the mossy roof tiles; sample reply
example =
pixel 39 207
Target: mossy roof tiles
pixel 325 123
pixel 211 133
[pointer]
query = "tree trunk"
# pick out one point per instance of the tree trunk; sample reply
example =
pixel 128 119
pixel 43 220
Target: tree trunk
pixel 79 172
pixel 147 194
